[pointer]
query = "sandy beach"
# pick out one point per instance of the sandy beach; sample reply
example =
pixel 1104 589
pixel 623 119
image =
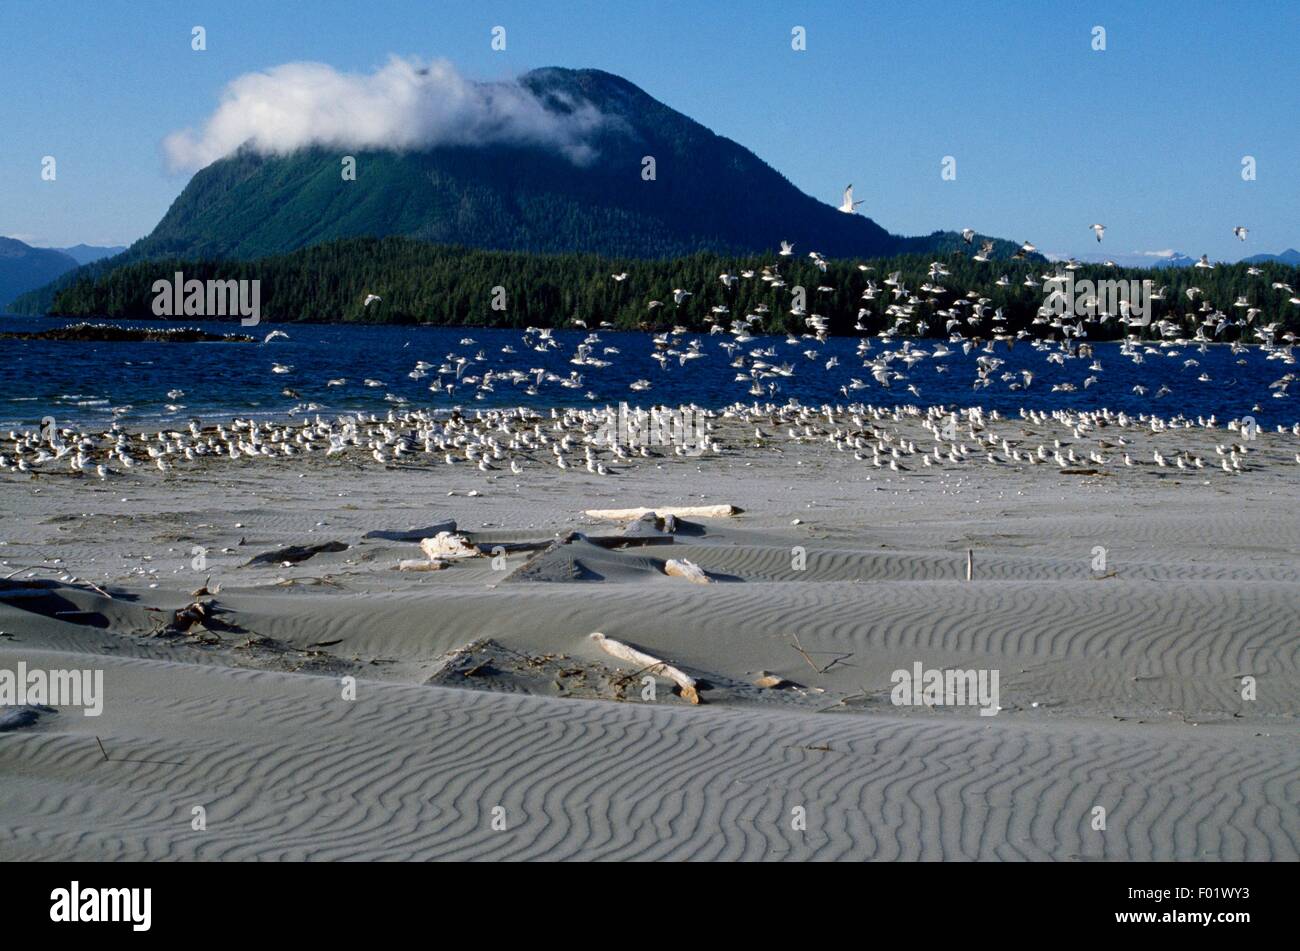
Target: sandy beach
pixel 1142 621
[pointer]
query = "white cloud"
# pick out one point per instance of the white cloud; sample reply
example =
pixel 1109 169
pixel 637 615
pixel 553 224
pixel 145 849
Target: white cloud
pixel 404 105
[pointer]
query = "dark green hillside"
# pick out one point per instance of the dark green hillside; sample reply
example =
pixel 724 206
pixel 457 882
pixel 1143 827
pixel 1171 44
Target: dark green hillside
pixel 423 283
pixel 709 194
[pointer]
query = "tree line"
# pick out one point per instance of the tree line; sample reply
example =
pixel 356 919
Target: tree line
pixel 421 283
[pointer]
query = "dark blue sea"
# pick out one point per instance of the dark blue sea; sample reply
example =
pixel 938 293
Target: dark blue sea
pixel 97 382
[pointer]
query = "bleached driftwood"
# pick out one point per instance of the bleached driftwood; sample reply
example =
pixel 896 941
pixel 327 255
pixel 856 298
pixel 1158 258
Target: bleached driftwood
pixel 415 564
pixel 622 651
pixel 448 545
pixel 677 511
pixel 681 568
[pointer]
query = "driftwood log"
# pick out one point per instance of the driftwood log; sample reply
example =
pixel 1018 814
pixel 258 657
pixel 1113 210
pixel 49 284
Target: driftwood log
pixel 677 511
pixel 684 681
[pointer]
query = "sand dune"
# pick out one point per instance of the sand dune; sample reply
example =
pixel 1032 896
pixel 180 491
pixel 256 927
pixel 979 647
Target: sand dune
pixel 288 770
pixel 477 686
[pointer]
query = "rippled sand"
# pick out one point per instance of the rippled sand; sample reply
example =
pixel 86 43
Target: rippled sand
pixel 486 724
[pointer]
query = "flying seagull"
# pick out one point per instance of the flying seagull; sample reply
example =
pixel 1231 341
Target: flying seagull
pixel 1240 232
pixel 1098 230
pixel 848 205
pixel 370 299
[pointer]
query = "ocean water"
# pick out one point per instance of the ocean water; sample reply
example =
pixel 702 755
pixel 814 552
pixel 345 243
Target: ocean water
pixel 97 382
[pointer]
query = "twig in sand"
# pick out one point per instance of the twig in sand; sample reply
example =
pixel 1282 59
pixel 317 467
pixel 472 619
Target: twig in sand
pixel 799 648
pixel 820 670
pixel 622 680
pixel 93 586
pixel 157 762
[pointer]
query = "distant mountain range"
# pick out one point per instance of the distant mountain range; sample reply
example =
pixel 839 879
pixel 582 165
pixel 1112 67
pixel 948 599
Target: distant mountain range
pixel 86 253
pixel 1290 256
pixel 1175 259
pixel 24 268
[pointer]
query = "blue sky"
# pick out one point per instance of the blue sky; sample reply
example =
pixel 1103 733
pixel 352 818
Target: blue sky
pixel 1049 135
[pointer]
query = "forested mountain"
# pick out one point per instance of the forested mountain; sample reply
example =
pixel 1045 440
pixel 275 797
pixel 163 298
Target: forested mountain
pixel 708 194
pixel 423 283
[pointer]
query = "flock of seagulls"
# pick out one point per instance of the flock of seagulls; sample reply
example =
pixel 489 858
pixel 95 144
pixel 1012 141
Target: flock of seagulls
pixel 489 440
pixel 959 437
pixel 901 438
pixel 971 323
pixel 515 439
